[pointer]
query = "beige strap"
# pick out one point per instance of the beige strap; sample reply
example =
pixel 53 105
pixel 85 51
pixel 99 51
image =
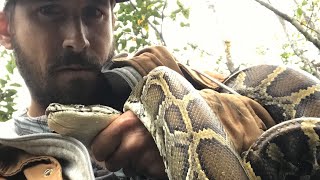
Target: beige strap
pixel 14 161
pixel 41 171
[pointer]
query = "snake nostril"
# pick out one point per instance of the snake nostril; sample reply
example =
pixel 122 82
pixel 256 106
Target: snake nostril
pixel 57 107
pixel 79 106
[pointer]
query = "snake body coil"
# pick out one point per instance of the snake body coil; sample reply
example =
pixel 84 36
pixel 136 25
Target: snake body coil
pixel 193 142
pixel 190 137
pixel 289 150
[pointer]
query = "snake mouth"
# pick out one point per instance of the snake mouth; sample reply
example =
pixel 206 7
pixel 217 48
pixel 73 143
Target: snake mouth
pixel 79 109
pixel 52 108
pixel 56 108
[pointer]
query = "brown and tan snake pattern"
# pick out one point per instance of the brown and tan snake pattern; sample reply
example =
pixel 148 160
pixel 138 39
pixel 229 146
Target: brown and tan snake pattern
pixel 192 140
pixel 289 150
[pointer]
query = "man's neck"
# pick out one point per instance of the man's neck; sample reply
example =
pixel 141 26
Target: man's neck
pixel 35 109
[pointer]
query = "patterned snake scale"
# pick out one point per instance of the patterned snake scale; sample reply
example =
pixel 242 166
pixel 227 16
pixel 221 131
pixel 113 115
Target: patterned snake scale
pixel 290 149
pixel 191 139
pixel 188 134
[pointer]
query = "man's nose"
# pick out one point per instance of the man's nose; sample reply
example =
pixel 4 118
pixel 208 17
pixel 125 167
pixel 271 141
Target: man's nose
pixel 75 37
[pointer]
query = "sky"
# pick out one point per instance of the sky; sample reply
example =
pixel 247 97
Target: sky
pixel 245 23
pixel 250 27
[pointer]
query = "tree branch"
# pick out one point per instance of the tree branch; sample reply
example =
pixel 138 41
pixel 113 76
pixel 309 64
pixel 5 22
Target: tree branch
pixel 229 62
pixel 299 52
pixel 292 21
pixel 162 17
pixel 310 25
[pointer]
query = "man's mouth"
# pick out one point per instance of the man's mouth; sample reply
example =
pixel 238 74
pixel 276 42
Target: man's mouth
pixel 75 71
pixel 74 68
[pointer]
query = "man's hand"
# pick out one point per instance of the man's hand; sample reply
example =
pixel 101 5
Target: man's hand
pixel 127 144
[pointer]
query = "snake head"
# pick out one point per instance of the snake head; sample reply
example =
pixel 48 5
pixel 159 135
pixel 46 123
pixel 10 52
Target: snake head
pixel 80 121
pixel 78 108
pixel 54 107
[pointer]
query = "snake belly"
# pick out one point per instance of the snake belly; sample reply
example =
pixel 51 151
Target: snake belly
pixel 290 149
pixel 189 136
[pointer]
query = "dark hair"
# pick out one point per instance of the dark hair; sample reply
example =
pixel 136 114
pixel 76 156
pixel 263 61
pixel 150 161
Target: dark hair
pixel 8 9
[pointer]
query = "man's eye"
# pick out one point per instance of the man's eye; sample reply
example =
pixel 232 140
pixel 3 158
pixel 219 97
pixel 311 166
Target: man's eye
pixel 51 11
pixel 92 12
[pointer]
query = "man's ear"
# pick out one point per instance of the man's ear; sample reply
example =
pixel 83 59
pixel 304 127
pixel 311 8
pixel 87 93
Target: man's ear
pixel 5 38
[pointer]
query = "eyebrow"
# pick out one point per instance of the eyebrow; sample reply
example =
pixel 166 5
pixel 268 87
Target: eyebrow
pixel 41 1
pixel 103 2
pixel 44 0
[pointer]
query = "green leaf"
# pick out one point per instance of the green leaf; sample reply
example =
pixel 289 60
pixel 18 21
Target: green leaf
pixel 3 82
pixel 155 22
pixel 304 3
pixel 128 30
pixel 123 43
pixel 156 14
pixel 146 27
pixel 15 85
pixel 173 14
pixel 299 12
pixel 132 49
pixel 182 24
pixel 11 92
pixel 285 55
pixel 149 7
pixel 10 66
pixel 186 13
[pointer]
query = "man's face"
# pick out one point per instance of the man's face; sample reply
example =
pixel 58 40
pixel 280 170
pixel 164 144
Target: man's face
pixel 60 46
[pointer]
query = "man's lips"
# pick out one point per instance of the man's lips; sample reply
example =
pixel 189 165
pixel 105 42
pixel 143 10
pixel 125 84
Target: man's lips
pixel 74 68
pixel 75 71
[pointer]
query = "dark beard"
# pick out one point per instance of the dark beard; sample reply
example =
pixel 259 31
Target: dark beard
pixel 44 89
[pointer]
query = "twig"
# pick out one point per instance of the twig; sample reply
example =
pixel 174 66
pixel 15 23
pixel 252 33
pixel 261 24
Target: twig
pixel 296 51
pixel 162 17
pixel 292 21
pixel 299 52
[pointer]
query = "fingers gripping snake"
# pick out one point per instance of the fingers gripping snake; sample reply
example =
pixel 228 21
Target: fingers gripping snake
pixel 192 140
